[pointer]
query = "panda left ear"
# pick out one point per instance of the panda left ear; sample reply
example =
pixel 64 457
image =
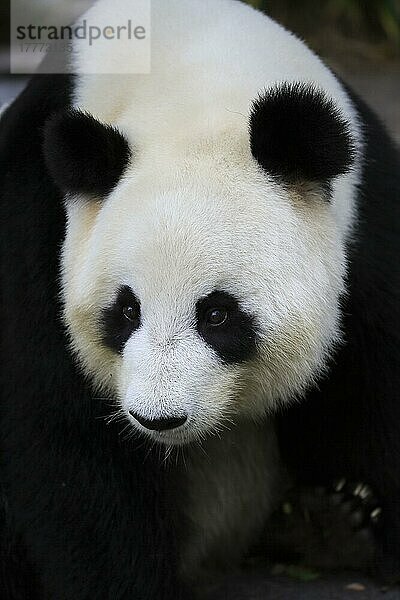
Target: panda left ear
pixel 84 155
pixel 298 135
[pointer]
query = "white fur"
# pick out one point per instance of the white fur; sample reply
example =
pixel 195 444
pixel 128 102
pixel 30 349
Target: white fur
pixel 194 213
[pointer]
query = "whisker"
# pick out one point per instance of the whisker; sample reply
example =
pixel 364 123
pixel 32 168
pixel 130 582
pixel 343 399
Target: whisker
pixel 168 452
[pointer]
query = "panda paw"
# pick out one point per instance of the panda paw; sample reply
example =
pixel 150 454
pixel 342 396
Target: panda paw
pixel 332 528
pixel 357 504
pixel 345 518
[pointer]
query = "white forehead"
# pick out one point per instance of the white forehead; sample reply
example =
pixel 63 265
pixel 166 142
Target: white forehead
pixel 209 60
pixel 183 235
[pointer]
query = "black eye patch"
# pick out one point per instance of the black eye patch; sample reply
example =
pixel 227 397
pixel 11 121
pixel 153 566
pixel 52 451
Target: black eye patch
pixel 120 319
pixel 84 155
pixel 225 327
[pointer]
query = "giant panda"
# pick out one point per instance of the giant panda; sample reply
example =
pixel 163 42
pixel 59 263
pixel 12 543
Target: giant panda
pixel 199 305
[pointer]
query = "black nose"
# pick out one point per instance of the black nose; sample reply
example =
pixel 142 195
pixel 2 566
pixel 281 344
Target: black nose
pixel 159 424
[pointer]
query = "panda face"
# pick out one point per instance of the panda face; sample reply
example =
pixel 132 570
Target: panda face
pixel 197 300
pixel 204 256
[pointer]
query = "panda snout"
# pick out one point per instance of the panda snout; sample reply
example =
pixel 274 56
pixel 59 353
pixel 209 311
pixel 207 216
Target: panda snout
pixel 160 424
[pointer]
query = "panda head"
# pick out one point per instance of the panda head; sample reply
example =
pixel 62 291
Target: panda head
pixel 202 277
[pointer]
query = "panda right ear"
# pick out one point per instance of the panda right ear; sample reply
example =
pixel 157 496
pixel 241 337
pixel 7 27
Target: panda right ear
pixel 83 155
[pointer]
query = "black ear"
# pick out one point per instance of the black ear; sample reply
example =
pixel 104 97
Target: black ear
pixel 298 134
pixel 84 155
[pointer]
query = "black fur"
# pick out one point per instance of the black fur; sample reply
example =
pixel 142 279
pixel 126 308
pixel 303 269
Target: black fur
pixel 350 425
pixel 235 340
pixel 84 155
pixel 18 580
pixel 87 514
pixel 297 134
pixel 114 325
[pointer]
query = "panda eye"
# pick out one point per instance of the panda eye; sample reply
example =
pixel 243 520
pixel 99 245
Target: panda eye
pixel 216 316
pixel 131 313
pixel 120 319
pixel 226 327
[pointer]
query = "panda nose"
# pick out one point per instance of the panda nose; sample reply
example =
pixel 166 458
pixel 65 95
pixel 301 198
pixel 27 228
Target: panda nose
pixel 159 424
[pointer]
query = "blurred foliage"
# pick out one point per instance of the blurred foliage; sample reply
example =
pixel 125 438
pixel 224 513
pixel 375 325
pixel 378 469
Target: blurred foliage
pixel 374 21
